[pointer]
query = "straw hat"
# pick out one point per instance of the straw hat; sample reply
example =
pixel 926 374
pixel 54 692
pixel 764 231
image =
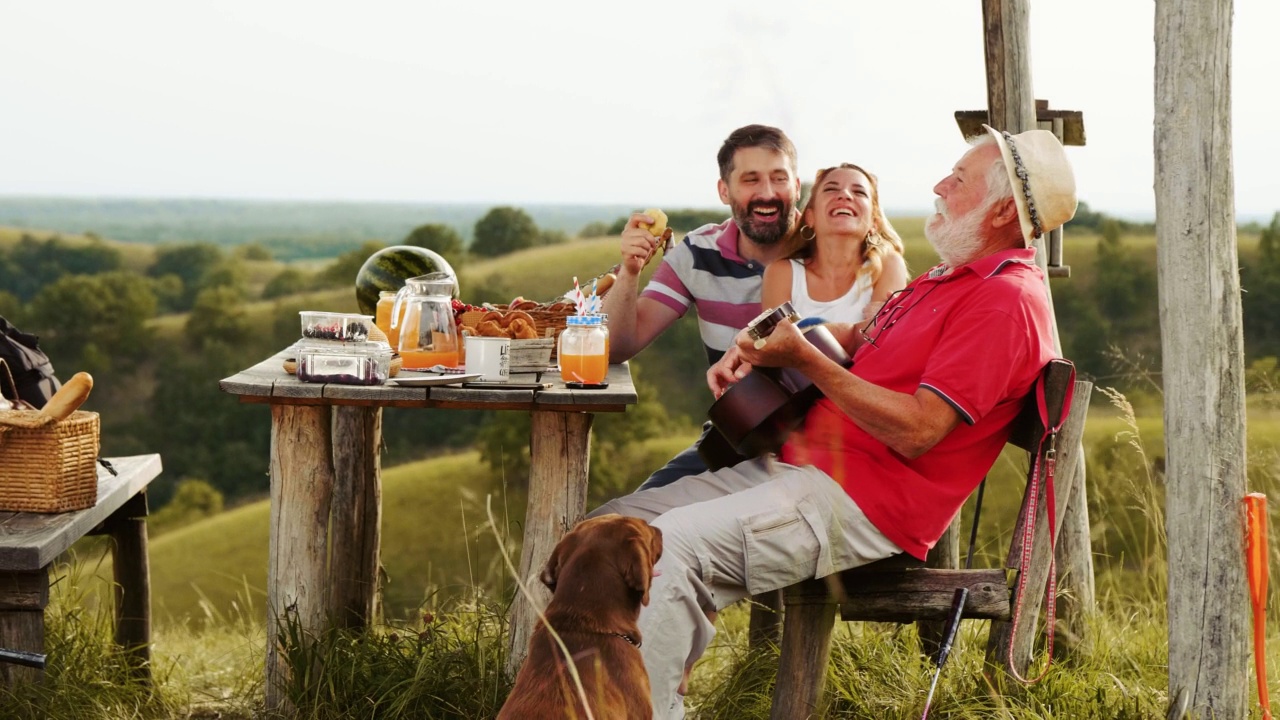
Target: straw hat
pixel 1044 187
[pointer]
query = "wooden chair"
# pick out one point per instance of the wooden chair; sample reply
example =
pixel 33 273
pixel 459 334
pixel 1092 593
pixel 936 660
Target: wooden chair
pixel 901 589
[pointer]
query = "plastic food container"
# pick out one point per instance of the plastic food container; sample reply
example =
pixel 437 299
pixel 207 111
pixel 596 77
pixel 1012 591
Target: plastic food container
pixel 362 364
pixel 342 327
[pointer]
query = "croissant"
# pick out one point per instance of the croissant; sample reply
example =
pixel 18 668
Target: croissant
pixel 489 328
pixel 521 330
pixel 519 315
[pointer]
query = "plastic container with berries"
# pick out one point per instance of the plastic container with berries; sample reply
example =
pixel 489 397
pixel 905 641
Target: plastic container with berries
pixel 363 363
pixel 335 327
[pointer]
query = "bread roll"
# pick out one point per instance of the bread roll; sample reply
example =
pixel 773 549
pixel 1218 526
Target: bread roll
pixel 659 222
pixel 69 397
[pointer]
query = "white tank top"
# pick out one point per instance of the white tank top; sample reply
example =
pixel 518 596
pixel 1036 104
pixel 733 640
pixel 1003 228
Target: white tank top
pixel 845 309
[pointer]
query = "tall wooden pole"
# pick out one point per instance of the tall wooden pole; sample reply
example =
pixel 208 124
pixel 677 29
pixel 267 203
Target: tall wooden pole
pixel 1202 342
pixel 1011 106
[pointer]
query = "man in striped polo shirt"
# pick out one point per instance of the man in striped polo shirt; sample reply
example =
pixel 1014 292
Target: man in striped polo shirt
pixel 716 268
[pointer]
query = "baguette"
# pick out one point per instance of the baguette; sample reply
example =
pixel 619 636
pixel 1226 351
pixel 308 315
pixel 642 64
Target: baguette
pixel 605 283
pixel 69 397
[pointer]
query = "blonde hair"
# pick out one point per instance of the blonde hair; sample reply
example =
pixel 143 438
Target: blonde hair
pixel 879 242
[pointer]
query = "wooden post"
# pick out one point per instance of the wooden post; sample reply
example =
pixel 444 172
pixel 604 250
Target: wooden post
pixel 1012 107
pixel 802 667
pixel 301 490
pixel 357 514
pixel 23 596
pixel 559 446
pixel 1077 598
pixel 945 554
pixel 132 572
pixel 1203 348
pixel 764 626
pixel 1010 101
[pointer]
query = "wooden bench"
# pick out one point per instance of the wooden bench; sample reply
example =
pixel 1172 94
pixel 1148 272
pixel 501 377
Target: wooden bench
pixel 901 589
pixel 31 542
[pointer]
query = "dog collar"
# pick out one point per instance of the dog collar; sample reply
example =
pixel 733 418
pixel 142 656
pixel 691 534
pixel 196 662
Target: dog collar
pixel 626 637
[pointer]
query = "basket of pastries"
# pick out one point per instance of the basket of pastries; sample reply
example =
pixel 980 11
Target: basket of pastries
pixel 532 328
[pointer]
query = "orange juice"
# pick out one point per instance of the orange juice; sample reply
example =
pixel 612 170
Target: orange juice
pixel 587 369
pixel 423 359
pixel 382 318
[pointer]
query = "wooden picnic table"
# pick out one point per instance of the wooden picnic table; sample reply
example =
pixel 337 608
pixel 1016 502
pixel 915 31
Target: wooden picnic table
pixel 31 542
pixel 326 483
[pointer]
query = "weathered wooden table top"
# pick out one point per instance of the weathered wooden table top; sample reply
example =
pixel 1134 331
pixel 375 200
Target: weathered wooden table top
pixel 267 382
pixel 30 541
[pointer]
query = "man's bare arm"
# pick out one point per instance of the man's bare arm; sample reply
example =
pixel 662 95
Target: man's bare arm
pixel 634 322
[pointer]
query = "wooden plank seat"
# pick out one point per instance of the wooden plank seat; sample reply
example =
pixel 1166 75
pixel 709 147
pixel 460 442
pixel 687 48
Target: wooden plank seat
pixel 903 589
pixel 31 542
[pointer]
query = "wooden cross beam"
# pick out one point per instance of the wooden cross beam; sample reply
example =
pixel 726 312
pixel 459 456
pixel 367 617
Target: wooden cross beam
pixel 1067 125
pixel 1072 122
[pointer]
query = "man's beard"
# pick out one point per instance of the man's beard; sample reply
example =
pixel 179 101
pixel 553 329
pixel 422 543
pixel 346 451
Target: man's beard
pixel 763 233
pixel 955 239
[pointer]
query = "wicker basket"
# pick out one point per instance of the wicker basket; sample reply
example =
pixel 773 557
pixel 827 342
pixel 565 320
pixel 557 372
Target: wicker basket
pixel 48 466
pixel 550 322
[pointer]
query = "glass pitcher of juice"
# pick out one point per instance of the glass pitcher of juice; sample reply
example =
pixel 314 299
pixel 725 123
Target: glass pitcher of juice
pixel 428 335
pixel 583 350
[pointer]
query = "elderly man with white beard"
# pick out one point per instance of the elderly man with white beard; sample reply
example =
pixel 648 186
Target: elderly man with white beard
pixel 887 457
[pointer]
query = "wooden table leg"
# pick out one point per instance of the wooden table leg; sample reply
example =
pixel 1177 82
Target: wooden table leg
pixel 23 596
pixel 357 515
pixel 560 448
pixel 301 489
pixel 132 571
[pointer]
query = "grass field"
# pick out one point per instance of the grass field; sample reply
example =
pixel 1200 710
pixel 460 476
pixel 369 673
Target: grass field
pixel 436 545
pixel 440 557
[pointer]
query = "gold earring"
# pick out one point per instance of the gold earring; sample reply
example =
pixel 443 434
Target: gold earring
pixel 812 233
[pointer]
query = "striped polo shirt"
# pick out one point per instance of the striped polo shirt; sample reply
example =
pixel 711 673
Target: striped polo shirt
pixel 706 271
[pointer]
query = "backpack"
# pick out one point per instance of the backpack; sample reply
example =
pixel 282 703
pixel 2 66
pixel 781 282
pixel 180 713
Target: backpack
pixel 31 371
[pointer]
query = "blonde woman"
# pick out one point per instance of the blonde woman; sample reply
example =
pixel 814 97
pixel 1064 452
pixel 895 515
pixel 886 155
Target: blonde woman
pixel 847 258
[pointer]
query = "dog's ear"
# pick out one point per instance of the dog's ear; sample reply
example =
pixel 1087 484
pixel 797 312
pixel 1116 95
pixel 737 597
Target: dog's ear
pixel 551 571
pixel 637 568
pixel 559 554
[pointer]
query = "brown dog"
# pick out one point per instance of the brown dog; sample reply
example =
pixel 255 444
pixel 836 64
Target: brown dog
pixel 599 576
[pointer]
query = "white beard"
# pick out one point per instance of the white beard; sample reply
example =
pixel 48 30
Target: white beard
pixel 956 240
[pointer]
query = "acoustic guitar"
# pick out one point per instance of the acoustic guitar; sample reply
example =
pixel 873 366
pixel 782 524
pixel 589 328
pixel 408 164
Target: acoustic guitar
pixel 754 416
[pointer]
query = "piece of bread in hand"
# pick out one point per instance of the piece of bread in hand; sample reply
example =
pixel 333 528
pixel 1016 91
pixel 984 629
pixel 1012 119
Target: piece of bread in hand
pixel 70 396
pixel 659 222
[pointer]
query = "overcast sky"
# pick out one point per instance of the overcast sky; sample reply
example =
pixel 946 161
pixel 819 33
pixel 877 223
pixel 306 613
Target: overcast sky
pixel 568 102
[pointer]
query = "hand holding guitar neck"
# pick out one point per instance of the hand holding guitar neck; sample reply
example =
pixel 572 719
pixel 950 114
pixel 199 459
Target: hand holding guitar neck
pixel 766 322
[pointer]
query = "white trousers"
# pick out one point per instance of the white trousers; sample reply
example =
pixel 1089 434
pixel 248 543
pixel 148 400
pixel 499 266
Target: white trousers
pixel 755 527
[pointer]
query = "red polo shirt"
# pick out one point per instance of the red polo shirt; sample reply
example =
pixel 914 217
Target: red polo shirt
pixel 977 337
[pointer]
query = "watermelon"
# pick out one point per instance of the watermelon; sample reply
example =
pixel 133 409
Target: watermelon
pixel 388 268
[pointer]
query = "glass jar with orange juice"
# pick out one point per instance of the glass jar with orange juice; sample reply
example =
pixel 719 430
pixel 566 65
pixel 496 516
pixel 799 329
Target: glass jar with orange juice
pixel 583 350
pixel 382 318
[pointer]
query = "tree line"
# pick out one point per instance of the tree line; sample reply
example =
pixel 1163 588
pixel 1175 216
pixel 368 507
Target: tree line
pixel 157 381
